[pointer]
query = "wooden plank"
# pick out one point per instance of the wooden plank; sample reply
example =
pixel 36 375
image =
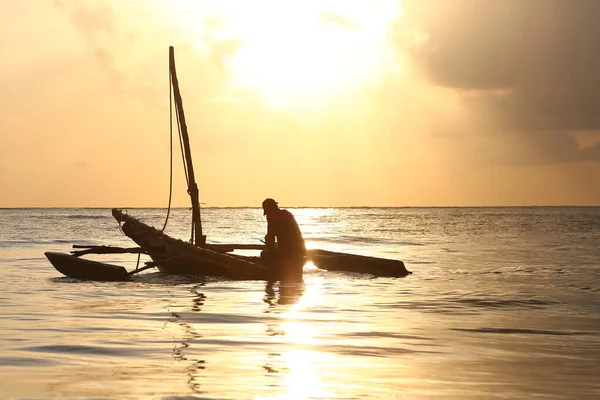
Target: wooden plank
pixel 104 250
pixel 227 248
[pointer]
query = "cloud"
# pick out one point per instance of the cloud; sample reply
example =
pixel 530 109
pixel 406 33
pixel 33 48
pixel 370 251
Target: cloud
pixel 531 67
pixel 96 22
pixel 220 50
pixel 339 20
pixel 126 39
pixel 96 18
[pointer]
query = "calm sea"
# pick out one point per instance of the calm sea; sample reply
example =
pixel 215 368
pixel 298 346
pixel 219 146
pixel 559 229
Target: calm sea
pixel 503 303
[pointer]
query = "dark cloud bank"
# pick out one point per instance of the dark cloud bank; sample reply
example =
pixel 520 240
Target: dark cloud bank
pixel 532 67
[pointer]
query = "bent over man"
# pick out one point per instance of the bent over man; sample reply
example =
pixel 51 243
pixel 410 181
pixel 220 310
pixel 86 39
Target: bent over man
pixel 285 249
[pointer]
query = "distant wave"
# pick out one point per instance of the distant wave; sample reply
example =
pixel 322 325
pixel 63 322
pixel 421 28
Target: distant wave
pixel 473 305
pixel 82 216
pixel 364 239
pixel 26 362
pixel 70 216
pixel 489 303
pixel 524 331
pixel 51 217
pixel 376 351
pixel 78 349
pixel 34 242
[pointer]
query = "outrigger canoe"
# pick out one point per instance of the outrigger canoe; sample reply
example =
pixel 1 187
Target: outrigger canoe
pixel 174 256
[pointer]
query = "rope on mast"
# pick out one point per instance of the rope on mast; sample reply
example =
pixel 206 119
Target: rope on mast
pixel 170 152
pixel 187 179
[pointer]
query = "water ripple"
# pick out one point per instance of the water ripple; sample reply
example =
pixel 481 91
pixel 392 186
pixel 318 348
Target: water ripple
pixel 521 331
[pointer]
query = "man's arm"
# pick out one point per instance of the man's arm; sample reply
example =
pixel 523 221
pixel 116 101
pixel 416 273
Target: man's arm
pixel 270 237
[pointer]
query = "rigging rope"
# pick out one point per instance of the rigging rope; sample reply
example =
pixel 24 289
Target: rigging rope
pixel 187 178
pixel 170 152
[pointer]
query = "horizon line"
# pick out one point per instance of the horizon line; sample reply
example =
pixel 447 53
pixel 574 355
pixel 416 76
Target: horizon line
pixel 295 206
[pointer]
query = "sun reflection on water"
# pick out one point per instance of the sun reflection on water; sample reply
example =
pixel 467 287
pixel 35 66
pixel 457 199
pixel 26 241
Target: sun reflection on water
pixel 311 296
pixel 296 329
pixel 302 378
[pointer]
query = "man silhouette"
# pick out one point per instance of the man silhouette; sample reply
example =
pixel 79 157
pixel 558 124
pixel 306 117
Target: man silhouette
pixel 285 249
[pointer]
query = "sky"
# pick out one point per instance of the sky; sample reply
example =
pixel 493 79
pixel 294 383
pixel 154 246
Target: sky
pixel 313 103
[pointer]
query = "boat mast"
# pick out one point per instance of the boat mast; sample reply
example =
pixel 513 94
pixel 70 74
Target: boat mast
pixel 197 237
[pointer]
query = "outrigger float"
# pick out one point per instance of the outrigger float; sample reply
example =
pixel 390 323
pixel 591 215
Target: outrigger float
pixel 197 257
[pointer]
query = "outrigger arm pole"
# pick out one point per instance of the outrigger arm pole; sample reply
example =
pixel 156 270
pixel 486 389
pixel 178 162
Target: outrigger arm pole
pixel 198 238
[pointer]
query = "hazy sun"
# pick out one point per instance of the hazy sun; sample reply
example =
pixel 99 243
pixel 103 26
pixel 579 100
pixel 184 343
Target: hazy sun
pixel 296 53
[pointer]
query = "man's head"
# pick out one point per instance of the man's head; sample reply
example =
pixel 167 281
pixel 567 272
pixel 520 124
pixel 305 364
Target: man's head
pixel 269 206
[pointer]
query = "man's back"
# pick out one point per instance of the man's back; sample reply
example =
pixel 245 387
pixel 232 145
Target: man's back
pixel 283 225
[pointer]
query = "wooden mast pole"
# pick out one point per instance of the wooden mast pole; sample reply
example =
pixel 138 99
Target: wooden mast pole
pixel 197 239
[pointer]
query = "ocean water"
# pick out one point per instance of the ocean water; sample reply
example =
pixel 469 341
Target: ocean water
pixel 503 303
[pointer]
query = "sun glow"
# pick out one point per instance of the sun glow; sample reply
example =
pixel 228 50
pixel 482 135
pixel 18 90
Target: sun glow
pixel 296 54
pixel 303 380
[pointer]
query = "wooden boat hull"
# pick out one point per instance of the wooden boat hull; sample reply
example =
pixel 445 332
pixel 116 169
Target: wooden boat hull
pixel 174 256
pixel 333 261
pixel 79 268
